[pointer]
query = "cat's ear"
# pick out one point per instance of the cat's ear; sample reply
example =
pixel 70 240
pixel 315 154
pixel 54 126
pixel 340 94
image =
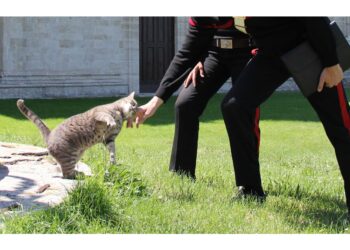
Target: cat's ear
pixel 132 95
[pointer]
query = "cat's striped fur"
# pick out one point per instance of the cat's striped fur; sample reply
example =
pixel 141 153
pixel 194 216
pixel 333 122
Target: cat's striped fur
pixel 68 141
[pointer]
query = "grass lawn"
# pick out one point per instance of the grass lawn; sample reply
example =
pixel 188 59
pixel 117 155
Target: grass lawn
pixel 298 166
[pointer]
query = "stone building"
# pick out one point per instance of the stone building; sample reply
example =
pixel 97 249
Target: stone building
pixel 63 57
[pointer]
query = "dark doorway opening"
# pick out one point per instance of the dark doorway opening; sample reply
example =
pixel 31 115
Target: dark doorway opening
pixel 156 50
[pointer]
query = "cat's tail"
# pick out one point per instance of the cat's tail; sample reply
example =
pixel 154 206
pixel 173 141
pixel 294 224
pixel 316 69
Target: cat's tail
pixel 45 131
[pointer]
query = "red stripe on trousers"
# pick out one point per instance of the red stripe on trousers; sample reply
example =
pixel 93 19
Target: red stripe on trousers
pixel 343 106
pixel 256 126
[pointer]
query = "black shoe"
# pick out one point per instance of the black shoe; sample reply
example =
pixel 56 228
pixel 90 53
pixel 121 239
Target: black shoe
pixel 185 174
pixel 248 193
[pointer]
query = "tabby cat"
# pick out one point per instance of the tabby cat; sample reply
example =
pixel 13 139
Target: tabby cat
pixel 68 141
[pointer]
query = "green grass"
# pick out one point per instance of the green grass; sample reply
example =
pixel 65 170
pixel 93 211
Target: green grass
pixel 298 166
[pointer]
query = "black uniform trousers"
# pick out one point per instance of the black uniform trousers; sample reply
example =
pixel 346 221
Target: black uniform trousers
pixel 219 65
pixel 259 79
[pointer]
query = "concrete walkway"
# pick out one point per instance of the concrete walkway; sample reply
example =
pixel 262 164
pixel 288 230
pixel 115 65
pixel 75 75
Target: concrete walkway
pixel 30 179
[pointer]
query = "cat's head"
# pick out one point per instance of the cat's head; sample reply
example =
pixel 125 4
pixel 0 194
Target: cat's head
pixel 128 106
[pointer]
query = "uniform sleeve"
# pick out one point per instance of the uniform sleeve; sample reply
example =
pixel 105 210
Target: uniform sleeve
pixel 321 39
pixel 193 49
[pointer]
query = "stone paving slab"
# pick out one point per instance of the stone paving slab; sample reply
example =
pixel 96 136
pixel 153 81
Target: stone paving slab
pixel 30 179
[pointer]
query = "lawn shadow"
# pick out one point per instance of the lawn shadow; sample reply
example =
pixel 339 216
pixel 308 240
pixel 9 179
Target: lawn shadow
pixel 328 212
pixel 289 106
pixel 19 194
pixel 4 171
pixel 52 108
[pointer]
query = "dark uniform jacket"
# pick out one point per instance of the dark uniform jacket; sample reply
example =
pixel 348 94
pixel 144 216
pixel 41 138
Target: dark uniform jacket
pixel 272 35
pixel 277 35
pixel 194 49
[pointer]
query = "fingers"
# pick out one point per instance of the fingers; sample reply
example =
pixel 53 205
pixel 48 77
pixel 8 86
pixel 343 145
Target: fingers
pixel 139 117
pixel 194 76
pixel 330 77
pixel 137 121
pixel 147 110
pixel 148 113
pixel 201 70
pixel 331 85
pixel 321 83
pixel 129 123
pixel 187 82
pixel 191 78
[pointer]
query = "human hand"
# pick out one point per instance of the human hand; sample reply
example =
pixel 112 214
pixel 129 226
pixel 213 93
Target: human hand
pixel 130 122
pixel 147 110
pixel 192 76
pixel 330 77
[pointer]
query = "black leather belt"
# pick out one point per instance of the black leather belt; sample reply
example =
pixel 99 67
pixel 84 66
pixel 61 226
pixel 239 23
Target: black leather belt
pixel 231 43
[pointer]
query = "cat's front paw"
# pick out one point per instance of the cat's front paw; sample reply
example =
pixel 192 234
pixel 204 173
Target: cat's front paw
pixel 111 124
pixel 74 175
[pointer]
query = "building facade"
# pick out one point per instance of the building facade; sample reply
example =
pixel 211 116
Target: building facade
pixel 66 57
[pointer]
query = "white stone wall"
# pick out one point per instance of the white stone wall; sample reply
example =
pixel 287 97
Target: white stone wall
pixel 57 57
pixel 344 24
pixel 48 57
pixel 181 25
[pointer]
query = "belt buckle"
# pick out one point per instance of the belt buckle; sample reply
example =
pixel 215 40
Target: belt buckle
pixel 226 44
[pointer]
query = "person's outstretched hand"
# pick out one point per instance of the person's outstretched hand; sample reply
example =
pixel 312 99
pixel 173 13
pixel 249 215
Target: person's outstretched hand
pixel 330 77
pixel 147 110
pixel 192 76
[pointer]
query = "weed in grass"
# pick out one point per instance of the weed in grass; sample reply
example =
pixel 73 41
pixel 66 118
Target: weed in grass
pixel 180 188
pixel 89 207
pixel 93 200
pixel 125 182
pixel 285 188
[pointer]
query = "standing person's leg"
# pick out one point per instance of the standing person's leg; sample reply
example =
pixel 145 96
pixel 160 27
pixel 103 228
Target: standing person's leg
pixel 256 83
pixel 332 108
pixel 188 108
pixel 236 70
pixel 237 67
